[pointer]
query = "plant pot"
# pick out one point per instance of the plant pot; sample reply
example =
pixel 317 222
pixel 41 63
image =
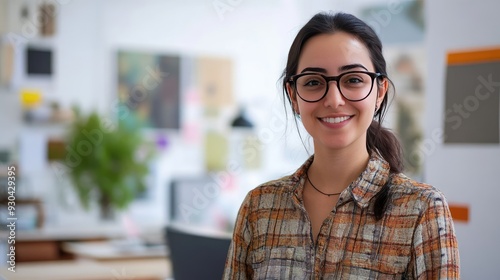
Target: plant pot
pixel 107 212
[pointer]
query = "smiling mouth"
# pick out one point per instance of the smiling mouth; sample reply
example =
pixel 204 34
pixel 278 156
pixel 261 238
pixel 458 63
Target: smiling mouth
pixel 335 120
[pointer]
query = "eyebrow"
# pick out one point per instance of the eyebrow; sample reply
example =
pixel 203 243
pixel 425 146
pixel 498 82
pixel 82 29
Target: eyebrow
pixel 351 66
pixel 341 68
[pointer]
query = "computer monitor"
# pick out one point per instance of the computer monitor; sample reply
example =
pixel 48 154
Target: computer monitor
pixel 188 202
pixel 211 201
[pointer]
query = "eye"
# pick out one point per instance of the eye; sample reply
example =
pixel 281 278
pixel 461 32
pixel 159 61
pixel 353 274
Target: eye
pixel 311 81
pixel 355 80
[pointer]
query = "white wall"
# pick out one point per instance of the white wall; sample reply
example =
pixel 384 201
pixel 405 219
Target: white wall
pixel 466 173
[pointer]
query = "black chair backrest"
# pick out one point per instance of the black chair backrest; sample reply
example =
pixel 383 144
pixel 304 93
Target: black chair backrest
pixel 196 256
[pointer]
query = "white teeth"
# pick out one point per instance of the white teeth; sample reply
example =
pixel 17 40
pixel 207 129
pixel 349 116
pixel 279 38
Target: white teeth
pixel 335 120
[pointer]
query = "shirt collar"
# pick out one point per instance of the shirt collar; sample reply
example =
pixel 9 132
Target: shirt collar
pixel 362 190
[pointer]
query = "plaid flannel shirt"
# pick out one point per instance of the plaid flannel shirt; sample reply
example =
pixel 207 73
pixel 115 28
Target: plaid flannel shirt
pixel 415 239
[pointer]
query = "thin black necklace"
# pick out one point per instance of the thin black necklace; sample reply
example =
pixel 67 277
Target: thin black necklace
pixel 328 194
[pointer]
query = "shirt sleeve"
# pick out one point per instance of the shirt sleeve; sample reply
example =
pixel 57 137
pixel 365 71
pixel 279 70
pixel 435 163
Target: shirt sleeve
pixel 435 245
pixel 236 262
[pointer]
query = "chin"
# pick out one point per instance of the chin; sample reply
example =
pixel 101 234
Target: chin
pixel 341 142
pixel 336 144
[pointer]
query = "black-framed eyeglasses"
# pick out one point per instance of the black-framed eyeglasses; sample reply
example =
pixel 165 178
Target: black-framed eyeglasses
pixel 352 85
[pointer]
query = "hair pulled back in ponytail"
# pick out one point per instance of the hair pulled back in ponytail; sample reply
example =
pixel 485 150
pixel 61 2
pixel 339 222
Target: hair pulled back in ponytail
pixel 382 140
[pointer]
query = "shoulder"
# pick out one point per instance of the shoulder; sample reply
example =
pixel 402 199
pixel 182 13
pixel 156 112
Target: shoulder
pixel 409 192
pixel 269 192
pixel 275 187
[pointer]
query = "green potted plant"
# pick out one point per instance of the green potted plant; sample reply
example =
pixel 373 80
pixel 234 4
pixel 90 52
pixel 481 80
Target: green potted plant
pixel 113 161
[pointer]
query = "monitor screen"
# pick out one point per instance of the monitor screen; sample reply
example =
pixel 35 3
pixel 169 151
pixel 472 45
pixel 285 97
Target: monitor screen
pixel 200 202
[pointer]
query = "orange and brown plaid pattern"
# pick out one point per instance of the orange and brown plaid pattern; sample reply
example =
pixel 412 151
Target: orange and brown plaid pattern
pixel 414 240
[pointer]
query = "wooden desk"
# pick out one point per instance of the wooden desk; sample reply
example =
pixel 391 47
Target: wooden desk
pixel 114 250
pixel 139 269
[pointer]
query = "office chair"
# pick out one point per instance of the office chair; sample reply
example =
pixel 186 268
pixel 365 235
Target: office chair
pixel 196 255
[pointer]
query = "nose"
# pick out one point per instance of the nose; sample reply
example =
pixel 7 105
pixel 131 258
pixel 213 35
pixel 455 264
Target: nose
pixel 333 97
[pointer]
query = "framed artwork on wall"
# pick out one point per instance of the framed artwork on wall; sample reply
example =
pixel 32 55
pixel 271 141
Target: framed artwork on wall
pixel 472 99
pixel 149 87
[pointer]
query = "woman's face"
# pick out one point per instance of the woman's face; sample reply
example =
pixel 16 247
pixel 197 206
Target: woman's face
pixel 334 122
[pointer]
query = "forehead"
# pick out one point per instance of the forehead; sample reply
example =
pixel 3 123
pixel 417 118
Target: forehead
pixel 331 51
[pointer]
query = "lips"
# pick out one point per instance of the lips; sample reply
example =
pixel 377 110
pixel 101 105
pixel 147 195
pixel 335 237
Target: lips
pixel 336 119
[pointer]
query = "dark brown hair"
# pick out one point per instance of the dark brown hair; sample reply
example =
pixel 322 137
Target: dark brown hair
pixel 379 139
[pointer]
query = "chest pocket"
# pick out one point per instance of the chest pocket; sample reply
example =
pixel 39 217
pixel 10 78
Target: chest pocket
pixel 374 253
pixel 366 268
pixel 369 260
pixel 280 263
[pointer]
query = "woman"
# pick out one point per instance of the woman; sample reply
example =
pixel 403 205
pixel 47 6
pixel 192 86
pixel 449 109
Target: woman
pixel 348 212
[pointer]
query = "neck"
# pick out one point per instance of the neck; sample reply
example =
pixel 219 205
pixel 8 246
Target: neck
pixel 333 171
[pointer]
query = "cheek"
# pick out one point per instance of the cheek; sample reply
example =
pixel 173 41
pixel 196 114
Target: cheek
pixel 305 107
pixel 366 107
pixel 370 102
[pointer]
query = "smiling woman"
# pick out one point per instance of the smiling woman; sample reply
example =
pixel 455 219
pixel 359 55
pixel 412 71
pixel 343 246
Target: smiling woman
pixel 348 211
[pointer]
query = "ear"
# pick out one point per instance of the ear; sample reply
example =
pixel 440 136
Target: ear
pixel 293 97
pixel 383 86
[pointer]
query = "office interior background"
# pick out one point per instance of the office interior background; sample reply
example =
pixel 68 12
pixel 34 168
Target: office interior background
pixel 203 78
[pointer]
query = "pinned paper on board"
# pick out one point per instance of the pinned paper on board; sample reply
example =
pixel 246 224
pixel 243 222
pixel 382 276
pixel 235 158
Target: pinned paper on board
pixel 149 86
pixel 214 79
pixel 472 98
pixel 216 151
